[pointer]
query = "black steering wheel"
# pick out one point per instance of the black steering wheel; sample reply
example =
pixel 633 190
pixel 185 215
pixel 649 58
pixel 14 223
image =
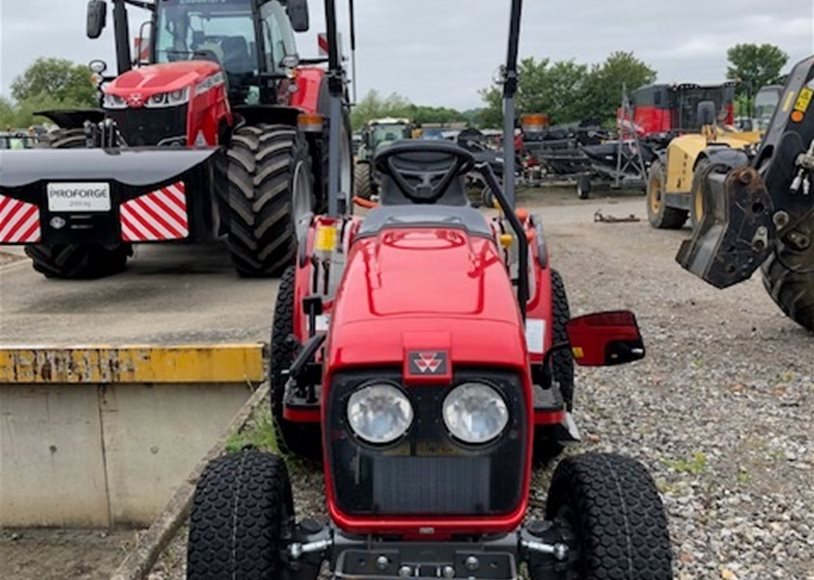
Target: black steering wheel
pixel 423 170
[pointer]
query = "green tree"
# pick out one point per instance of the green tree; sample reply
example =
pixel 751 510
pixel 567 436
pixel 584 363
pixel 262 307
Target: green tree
pixel 569 92
pixel 57 78
pixel 755 66
pixel 6 114
pixel 374 106
pixel 606 82
pixel 545 87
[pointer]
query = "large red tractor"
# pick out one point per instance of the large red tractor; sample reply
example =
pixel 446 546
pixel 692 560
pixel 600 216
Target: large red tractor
pixel 420 349
pixel 217 132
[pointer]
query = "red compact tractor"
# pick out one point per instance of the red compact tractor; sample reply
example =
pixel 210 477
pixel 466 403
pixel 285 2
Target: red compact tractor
pixel 423 352
pixel 216 133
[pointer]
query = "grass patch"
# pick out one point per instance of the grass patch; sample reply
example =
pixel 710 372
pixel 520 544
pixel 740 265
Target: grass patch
pixel 695 464
pixel 258 434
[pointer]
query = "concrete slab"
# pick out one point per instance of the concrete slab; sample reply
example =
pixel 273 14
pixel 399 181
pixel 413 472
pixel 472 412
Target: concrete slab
pixel 52 470
pixel 184 294
pixel 154 435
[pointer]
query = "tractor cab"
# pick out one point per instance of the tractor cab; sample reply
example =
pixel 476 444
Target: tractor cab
pixel 229 34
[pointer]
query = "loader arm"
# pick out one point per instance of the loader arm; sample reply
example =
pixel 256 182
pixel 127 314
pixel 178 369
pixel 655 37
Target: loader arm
pixel 755 209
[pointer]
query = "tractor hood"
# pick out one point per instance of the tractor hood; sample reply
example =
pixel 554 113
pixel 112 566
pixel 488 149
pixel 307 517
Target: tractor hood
pixel 425 288
pixel 139 84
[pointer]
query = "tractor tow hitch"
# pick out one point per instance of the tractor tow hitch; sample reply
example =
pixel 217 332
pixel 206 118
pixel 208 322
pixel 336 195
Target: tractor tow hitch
pixel 559 550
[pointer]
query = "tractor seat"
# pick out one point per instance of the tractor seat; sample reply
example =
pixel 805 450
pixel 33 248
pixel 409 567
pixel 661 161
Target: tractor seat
pixel 432 173
pixel 236 57
pixel 422 165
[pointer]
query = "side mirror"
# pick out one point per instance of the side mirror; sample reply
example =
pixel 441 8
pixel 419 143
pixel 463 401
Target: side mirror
pixel 706 113
pixel 97 18
pixel 605 339
pixel 298 15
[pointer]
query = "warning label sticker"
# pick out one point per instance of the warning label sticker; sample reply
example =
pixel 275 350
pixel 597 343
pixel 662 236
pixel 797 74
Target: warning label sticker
pixel 804 100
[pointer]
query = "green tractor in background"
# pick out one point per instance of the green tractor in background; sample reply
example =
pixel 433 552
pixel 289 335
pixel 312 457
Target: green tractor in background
pixel 376 134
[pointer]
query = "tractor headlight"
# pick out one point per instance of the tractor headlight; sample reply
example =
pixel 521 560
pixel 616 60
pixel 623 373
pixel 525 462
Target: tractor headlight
pixel 172 99
pixel 475 413
pixel 114 102
pixel 379 413
pixel 178 97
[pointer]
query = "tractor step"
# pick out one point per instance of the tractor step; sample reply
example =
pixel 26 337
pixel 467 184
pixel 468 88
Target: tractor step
pixel 547 400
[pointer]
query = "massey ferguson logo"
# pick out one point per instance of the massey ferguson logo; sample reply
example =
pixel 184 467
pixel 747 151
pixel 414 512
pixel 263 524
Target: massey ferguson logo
pixel 428 362
pixel 135 100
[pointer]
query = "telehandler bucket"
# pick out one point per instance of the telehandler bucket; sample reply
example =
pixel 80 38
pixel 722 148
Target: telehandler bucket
pixel 736 234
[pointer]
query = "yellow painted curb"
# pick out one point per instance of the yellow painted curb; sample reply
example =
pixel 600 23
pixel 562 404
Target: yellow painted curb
pixel 132 364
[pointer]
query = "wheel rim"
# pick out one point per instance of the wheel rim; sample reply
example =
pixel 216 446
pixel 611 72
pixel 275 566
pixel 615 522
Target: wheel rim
pixel 654 192
pixel 302 203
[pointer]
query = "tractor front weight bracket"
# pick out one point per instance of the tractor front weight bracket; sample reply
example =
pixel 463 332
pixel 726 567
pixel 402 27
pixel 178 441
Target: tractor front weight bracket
pixel 544 546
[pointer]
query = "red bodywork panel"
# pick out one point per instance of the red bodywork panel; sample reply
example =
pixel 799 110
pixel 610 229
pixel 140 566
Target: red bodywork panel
pixel 435 289
pixel 205 81
pixel 309 87
pixel 652 120
pixel 209 108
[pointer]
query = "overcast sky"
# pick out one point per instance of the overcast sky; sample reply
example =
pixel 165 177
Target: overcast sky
pixel 441 52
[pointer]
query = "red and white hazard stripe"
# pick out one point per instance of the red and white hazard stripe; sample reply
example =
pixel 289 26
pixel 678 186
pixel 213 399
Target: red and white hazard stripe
pixel 19 222
pixel 157 216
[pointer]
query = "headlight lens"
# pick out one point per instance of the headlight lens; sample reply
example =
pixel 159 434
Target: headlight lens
pixel 172 99
pixel 178 97
pixel 475 413
pixel 114 102
pixel 380 413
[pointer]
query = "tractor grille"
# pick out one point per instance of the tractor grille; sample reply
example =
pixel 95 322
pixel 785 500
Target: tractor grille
pixel 426 473
pixel 148 127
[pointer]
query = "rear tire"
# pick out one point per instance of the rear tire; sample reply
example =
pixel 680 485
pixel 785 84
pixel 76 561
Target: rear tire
pixel 77 261
pixel 269 190
pixel 788 277
pixel 660 215
pixel 361 179
pixel 303 439
pixel 611 507
pixel 241 509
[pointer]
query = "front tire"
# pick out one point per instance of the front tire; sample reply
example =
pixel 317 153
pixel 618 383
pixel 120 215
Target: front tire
pixel 303 439
pixel 546 445
pixel 240 513
pixel 788 276
pixel 584 187
pixel 660 215
pixel 269 191
pixel 361 180
pixel 612 509
pixel 77 261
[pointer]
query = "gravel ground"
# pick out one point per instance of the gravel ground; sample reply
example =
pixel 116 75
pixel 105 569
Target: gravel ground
pixel 720 410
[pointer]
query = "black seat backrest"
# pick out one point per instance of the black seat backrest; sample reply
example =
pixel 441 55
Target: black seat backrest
pixel 236 57
pixel 390 194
